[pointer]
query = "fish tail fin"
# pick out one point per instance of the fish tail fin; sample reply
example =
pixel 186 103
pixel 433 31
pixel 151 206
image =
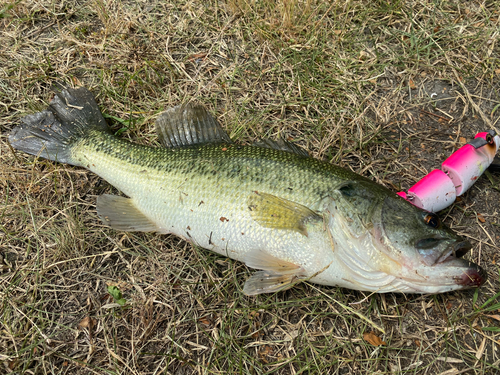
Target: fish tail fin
pixel 52 133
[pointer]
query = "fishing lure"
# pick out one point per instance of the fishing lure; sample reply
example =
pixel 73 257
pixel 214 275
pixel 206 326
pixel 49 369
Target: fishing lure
pixel 439 189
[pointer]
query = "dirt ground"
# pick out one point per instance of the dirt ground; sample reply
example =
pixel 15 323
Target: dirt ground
pixel 387 89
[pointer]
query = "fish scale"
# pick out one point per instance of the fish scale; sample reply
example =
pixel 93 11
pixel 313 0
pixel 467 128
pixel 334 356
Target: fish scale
pixel 293 217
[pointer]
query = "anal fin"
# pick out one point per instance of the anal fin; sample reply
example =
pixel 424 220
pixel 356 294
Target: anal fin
pixel 277 274
pixel 121 214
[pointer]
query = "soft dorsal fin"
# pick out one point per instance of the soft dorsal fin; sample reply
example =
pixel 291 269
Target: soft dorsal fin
pixel 188 125
pixel 271 211
pixel 282 145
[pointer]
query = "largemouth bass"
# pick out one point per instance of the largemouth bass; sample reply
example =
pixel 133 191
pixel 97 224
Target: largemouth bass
pixel 271 206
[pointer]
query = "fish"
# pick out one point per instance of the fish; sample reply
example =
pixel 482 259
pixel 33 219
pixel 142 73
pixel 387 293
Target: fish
pixel 291 217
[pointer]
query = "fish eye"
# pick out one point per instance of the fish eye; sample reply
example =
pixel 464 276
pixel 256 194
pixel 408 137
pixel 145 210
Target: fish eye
pixel 489 138
pixel 432 220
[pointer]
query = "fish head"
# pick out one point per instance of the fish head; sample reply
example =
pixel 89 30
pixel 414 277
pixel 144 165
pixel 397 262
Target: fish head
pixel 410 248
pixel 430 252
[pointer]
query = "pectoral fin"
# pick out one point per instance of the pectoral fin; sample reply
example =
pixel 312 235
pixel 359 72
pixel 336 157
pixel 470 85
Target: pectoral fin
pixel 277 274
pixel 121 214
pixel 274 212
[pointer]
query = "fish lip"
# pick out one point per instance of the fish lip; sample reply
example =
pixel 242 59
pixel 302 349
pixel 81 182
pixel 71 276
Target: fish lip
pixel 475 276
pixel 457 274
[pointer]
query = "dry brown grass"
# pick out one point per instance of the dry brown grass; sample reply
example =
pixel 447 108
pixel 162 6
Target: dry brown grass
pixel 349 81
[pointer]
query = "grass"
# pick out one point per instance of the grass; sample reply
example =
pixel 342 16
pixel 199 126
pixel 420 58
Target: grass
pixel 349 81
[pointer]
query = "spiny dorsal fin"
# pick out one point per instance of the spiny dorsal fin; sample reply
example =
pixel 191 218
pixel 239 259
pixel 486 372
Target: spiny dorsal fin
pixel 282 145
pixel 188 125
pixel 274 212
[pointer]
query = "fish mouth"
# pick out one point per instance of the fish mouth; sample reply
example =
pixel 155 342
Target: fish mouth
pixel 472 275
pixel 466 274
pixel 475 276
pixel 458 250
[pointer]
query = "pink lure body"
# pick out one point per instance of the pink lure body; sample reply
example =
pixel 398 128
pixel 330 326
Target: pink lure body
pixel 458 173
